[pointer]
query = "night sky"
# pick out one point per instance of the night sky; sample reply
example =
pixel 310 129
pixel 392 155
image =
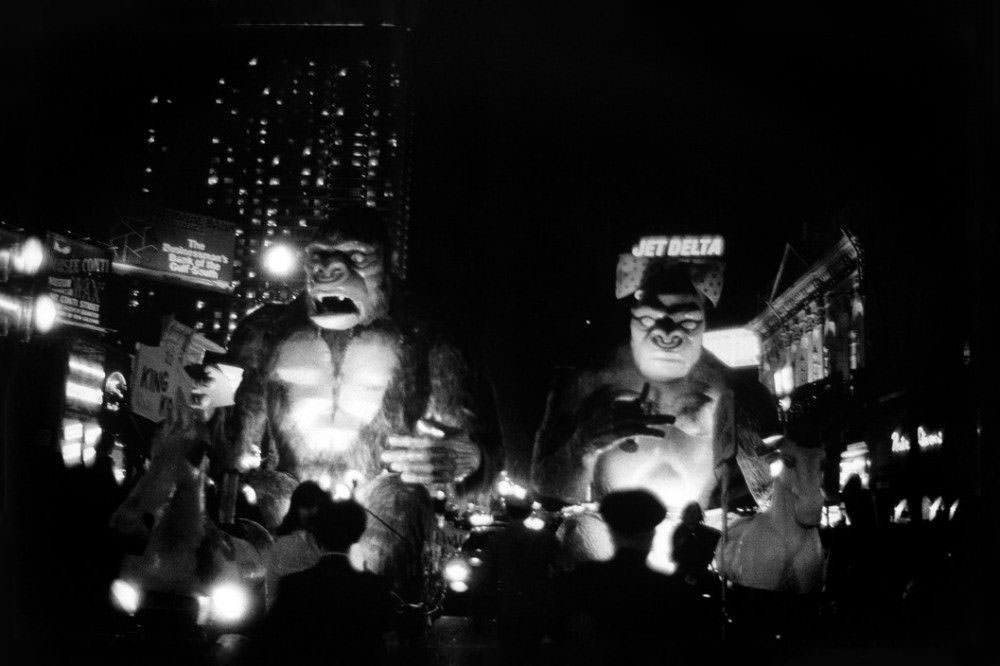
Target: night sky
pixel 542 136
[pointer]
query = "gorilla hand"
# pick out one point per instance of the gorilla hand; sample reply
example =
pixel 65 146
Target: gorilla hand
pixel 435 455
pixel 613 416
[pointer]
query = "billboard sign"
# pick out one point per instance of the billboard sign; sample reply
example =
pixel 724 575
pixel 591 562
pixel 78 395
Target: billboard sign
pixel 158 372
pixel 77 274
pixel 176 246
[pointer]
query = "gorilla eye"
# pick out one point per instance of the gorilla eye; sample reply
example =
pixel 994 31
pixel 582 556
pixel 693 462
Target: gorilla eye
pixel 690 325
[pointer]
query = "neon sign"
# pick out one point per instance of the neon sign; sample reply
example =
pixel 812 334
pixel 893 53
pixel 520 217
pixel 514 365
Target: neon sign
pixel 929 440
pixel 900 442
pixel 679 246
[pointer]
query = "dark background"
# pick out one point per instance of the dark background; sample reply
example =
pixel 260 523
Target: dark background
pixel 544 132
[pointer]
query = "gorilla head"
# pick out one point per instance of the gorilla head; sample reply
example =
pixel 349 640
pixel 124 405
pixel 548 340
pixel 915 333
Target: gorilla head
pixel 667 323
pixel 347 270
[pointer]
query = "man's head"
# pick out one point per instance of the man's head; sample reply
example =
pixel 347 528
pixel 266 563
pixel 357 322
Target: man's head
pixel 347 270
pixel 632 517
pixel 667 321
pixel 338 524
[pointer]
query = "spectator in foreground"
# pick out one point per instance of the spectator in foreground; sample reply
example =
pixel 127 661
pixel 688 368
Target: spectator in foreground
pixel 694 546
pixel 621 611
pixel 330 612
pixel 295 549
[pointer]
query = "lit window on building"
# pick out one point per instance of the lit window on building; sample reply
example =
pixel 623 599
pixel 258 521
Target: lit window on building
pixel 265 91
pixel 307 151
pixel 251 275
pixel 276 160
pixel 340 111
pixel 320 181
pixel 149 170
pixel 274 181
pixel 218 100
pixel 307 172
pixel 342 72
pixel 303 223
pixel 252 62
pixel 222 82
pixel 212 180
pixel 155 100
pixel 199 325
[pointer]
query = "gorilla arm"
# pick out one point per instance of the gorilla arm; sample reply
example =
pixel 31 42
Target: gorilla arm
pixel 458 437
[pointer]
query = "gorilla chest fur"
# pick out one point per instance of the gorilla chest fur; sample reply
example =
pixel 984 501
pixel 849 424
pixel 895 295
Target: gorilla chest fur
pixel 677 467
pixel 336 397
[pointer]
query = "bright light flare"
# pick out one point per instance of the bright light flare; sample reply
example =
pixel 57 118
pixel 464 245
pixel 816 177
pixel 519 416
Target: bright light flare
pixel 85 394
pixel 228 603
pixel 457 571
pixel 44 314
pixel 736 347
pixel 459 586
pixel 480 519
pixel 280 260
pixel 29 257
pixel 125 596
pixel 534 523
pixel 776 468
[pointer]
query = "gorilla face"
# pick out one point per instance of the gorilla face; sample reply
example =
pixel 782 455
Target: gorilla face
pixel 666 336
pixel 345 282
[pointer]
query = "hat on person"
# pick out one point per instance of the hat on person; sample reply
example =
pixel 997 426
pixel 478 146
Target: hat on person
pixel 632 511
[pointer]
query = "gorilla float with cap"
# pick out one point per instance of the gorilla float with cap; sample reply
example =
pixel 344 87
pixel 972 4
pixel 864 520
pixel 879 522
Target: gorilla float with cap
pixel 662 414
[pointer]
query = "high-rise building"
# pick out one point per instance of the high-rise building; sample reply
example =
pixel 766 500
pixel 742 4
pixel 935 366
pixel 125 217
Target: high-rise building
pixel 297 122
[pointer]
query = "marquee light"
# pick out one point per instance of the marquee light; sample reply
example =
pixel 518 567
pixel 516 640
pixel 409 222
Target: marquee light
pixel 736 347
pixel 784 381
pixel 29 256
pixel 44 314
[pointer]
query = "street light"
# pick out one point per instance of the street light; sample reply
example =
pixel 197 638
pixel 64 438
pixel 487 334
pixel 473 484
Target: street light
pixel 280 260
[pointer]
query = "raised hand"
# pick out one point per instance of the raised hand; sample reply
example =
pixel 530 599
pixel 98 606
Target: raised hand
pixel 613 417
pixel 435 454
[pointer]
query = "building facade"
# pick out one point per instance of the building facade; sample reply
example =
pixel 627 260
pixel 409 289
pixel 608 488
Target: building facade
pixel 296 123
pixel 815 329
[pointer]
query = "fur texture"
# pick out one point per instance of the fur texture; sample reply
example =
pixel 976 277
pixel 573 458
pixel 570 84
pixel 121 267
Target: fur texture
pixel 319 404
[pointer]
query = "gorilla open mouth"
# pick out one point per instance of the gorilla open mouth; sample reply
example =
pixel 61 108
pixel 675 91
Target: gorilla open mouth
pixel 335 304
